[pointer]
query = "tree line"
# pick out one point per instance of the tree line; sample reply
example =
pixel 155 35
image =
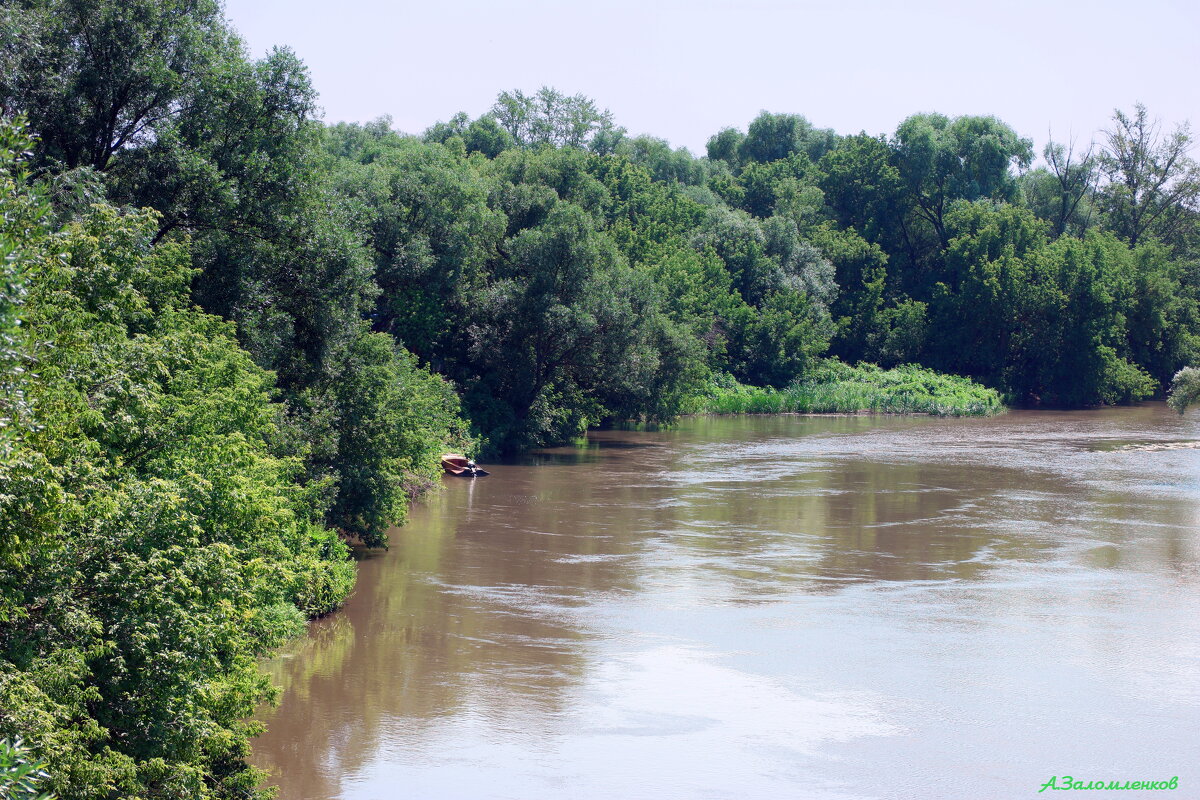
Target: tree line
pixel 231 334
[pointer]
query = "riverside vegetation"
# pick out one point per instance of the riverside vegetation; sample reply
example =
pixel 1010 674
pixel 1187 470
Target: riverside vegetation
pixel 834 388
pixel 231 333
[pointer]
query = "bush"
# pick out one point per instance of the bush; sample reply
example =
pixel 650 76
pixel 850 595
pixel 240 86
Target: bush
pixel 1185 389
pixel 834 387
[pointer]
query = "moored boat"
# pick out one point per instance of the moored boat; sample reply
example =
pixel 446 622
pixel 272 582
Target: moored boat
pixel 460 465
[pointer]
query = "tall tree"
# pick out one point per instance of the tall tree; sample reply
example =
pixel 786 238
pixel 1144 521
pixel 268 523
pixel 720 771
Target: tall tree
pixel 771 137
pixel 175 545
pixel 1153 186
pixel 942 159
pixel 95 76
pixel 431 231
pixel 1062 193
pixel 550 117
pixel 863 188
pixel 556 332
pixel 664 164
pixel 725 145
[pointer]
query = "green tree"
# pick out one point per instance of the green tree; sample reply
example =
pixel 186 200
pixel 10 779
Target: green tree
pixel 550 117
pixel 805 268
pixel 1090 364
pixel 432 234
pixel 441 132
pixel 176 117
pixel 394 420
pixel 1162 319
pixel 96 77
pixel 1185 389
pixel 556 332
pixel 739 240
pixel 977 300
pixel 864 189
pixel 1045 320
pixel 663 163
pixel 940 160
pixel 776 344
pixel 869 326
pixel 652 222
pixel 176 547
pixel 725 145
pixel 485 135
pixel 767 188
pixel 23 213
pixel 278 250
pixel 771 137
pixel 1062 193
pixel 1153 184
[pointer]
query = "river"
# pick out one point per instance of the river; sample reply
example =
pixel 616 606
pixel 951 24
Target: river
pixel 772 607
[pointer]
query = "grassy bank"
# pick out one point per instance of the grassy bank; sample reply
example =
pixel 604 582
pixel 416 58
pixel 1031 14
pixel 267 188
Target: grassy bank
pixel 838 388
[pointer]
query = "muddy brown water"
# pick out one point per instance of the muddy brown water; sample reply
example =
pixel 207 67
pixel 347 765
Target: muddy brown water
pixel 773 607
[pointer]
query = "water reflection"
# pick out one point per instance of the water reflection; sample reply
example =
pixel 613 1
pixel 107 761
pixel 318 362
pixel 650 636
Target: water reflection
pixel 765 607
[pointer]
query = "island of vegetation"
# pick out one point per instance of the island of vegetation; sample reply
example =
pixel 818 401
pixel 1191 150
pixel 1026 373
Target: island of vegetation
pixel 233 336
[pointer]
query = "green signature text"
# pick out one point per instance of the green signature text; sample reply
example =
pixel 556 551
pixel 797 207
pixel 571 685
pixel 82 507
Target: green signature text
pixel 1069 782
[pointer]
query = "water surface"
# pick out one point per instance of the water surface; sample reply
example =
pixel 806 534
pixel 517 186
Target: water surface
pixel 773 607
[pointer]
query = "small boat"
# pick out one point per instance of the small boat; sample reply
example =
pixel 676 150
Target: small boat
pixel 459 465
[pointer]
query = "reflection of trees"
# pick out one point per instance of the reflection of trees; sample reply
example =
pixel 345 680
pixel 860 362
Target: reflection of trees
pixel 472 607
pixel 297 743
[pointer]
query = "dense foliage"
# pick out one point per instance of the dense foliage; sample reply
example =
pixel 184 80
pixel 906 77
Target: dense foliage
pixel 231 335
pixel 21 227
pixel 1068 285
pixel 835 388
pixel 163 519
pixel 155 543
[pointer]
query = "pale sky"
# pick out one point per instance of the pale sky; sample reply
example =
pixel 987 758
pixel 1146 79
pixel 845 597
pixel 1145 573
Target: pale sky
pixel 683 70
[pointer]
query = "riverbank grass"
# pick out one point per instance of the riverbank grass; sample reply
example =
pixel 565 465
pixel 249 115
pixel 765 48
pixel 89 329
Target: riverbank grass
pixel 837 388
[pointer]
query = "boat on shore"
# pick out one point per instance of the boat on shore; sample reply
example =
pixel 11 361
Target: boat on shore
pixel 460 465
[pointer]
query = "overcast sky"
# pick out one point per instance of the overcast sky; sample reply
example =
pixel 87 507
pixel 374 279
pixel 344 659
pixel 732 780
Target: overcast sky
pixel 684 69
